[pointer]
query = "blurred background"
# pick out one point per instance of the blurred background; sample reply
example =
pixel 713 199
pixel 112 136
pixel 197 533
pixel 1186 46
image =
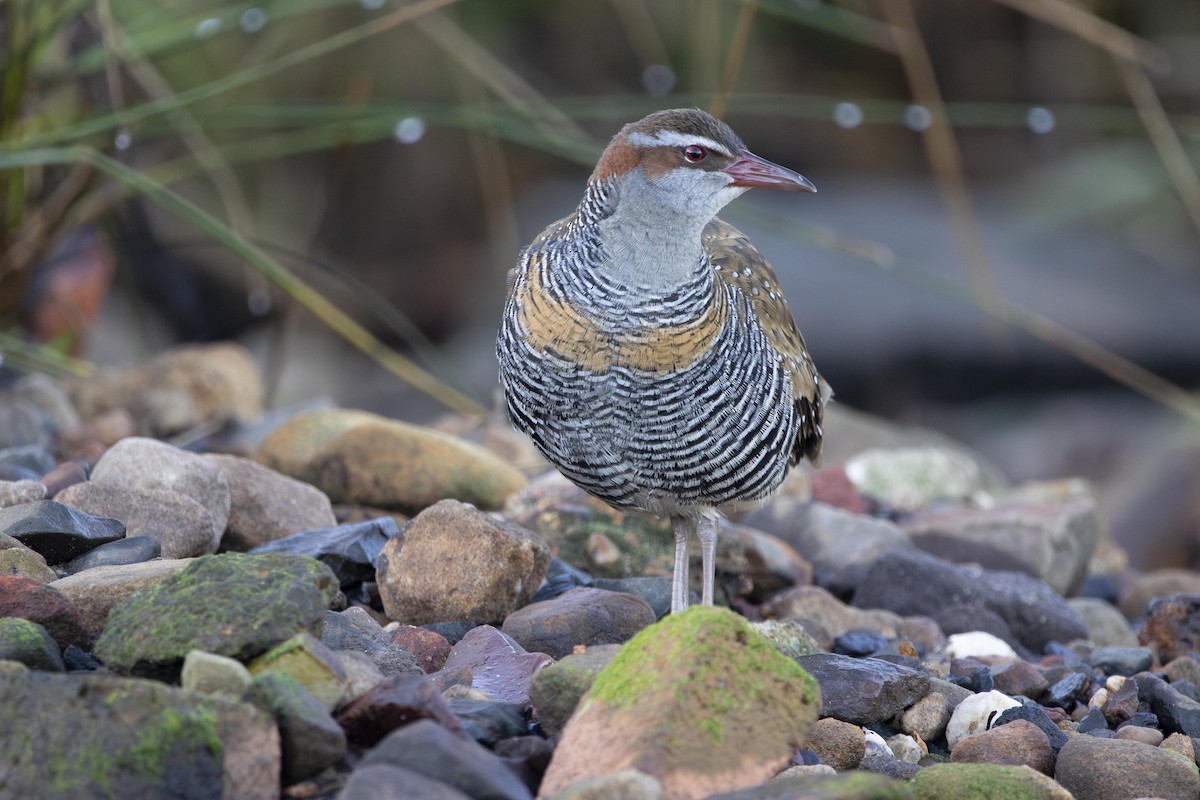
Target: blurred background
pixel 1005 246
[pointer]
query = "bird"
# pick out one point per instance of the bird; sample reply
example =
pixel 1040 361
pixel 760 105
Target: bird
pixel 646 347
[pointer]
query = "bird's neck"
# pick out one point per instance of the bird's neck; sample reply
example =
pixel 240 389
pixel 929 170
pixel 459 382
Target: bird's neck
pixel 644 245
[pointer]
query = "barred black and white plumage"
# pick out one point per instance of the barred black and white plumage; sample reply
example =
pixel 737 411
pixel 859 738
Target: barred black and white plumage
pixel 646 347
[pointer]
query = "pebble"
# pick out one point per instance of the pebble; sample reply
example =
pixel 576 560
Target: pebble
pixel 833 618
pixel 350 550
pixel 487 721
pixel 655 590
pixel 385 782
pixel 429 647
pixel 864 690
pixel 181 525
pixel 57 532
pixel 643 710
pixel 1019 742
pixel 359 457
pixel 95 592
pixel 430 749
pixel 313 665
pixel 1107 769
pixel 232 604
pixel 1172 626
pixel 556 689
pixel 46 606
pixel 1037 715
pixel 30 644
pixel 975 715
pixel 977 643
pixel 988 781
pixel 841 745
pixel 909 582
pixel 14 493
pixel 211 674
pixel 309 738
pixel 342 631
pixel 1018 677
pixel 130 550
pixel 453 562
pixel 393 703
pixel 18 560
pixel 487 660
pixel 1106 626
pixel 1175 710
pixel 1120 660
pixel 578 617
pixel 266 505
pixel 141 463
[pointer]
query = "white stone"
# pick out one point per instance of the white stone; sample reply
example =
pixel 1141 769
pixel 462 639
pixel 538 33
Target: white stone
pixel 212 674
pixel 977 644
pixel 976 714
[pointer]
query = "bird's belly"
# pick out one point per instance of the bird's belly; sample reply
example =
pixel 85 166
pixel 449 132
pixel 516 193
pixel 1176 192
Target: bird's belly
pixel 715 434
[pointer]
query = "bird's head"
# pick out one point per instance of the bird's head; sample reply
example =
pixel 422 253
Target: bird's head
pixel 688 161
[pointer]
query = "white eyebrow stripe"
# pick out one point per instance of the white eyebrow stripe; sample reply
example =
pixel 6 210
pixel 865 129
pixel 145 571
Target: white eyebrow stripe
pixel 676 139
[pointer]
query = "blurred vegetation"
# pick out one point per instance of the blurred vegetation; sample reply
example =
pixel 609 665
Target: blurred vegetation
pixel 243 157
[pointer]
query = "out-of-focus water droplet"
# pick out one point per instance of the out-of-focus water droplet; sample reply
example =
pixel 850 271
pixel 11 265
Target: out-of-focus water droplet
pixel 207 27
pixel 371 5
pixel 122 140
pixel 253 19
pixel 1040 120
pixel 917 118
pixel 409 130
pixel 658 79
pixel 259 302
pixel 847 115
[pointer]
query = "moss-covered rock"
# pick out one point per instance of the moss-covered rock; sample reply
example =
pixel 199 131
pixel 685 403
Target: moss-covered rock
pixel 556 690
pixel 30 644
pixel 985 782
pixel 698 701
pixel 310 663
pixel 233 605
pixel 311 740
pixel 130 738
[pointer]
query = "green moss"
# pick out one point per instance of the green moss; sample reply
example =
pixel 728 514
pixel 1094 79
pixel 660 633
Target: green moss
pixel 985 782
pixel 162 740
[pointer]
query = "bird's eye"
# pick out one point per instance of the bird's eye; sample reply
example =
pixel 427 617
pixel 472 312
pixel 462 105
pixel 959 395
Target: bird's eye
pixel 694 153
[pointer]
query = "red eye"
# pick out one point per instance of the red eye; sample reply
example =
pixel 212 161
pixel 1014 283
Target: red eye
pixel 694 153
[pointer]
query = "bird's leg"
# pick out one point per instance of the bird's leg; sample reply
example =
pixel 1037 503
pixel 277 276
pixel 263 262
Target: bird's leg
pixel 706 531
pixel 679 582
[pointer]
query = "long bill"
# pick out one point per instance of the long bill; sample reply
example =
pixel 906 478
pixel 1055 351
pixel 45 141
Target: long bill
pixel 751 170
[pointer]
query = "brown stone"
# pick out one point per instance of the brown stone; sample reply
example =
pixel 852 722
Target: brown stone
pixel 397 701
pixel 48 607
pixel 1172 626
pixel 181 524
pixel 841 745
pixel 267 505
pixel 430 647
pixel 96 591
pixel 1016 743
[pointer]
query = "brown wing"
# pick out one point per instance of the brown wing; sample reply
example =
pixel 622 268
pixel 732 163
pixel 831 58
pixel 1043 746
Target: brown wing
pixel 740 265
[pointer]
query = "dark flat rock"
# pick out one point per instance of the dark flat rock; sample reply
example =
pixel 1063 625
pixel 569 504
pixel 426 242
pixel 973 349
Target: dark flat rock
pixel 58 532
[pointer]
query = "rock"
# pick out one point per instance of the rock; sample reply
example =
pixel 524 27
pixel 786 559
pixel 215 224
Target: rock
pixel 927 717
pixel 628 784
pixel 397 701
pixel 1175 710
pixel 1092 767
pixel 908 478
pixel 1019 677
pixel 975 715
pixel 1172 626
pixel 906 748
pixel 384 782
pixel 310 663
pixel 21 562
pixel 97 591
pixel 1120 660
pixel 1136 597
pixel 452 562
pixel 350 550
pixel 234 605
pixel 1184 668
pixel 487 721
pixel 839 744
pixel 557 689
pixel 971 673
pixel 130 550
pixel 429 648
pixel 986 781
pixel 40 392
pixel 1020 742
pixel 567 518
pixel 267 505
pixel 487 660
pixel 211 674
pixel 150 740
pixel 1037 715
pixel 909 582
pixel 30 644
pixel 64 475
pixel 812 604
pixel 25 462
pixel 180 524
pixel 561 576
pixel 882 761
pixel 859 644
pixel 45 605
pixel 341 633
pixel 977 644
pixel 864 690
pixel 358 457
pixel 139 463
pixel 1051 541
pixel 643 711
pixel 14 493
pixel 435 752
pixel 178 390
pixel 361 675
pixel 789 638
pixel 1119 701
pixel 309 738
pixel 1106 626
pixel 655 590
pixel 1136 733
pixel 1067 690
pixel 837 543
pixel 582 616
pixel 1181 744
pixel 757 563
pixel 57 532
